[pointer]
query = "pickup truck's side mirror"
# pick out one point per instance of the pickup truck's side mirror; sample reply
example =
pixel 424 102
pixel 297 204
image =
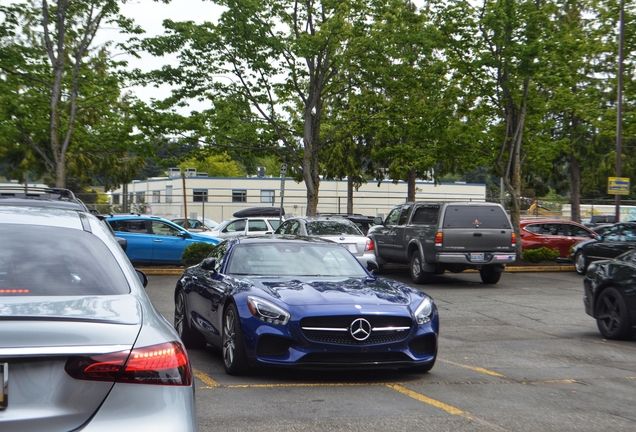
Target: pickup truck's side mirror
pixel 378 220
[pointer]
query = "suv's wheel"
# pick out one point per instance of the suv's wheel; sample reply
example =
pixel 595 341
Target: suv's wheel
pixel 580 262
pixel 489 275
pixel 191 337
pixel 612 316
pixel 234 357
pixel 417 274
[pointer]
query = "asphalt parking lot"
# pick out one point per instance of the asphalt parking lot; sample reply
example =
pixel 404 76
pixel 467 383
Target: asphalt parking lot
pixel 520 355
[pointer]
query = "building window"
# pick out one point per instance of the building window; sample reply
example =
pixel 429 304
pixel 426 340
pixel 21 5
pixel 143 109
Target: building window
pixel 267 196
pixel 141 197
pixel 169 194
pixel 239 195
pixel 156 196
pixel 116 198
pixel 200 195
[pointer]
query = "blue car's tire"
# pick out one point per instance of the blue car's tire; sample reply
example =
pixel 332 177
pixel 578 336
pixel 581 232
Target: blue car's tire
pixel 234 357
pixel 191 337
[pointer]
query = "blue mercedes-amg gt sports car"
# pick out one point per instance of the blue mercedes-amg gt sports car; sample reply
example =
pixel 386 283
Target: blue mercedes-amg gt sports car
pixel 302 302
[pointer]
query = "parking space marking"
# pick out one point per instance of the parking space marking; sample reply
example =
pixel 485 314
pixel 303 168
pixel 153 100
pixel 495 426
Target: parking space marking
pixel 235 386
pixel 210 383
pixel 437 404
pixel 475 368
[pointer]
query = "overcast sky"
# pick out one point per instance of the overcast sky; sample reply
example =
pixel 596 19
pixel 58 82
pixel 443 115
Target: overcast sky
pixel 150 15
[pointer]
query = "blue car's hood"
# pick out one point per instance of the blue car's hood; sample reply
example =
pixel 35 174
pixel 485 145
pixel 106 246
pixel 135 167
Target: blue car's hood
pixel 308 291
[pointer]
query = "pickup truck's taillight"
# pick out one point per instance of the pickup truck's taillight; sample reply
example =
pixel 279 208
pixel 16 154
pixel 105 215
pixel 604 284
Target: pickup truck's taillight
pixel 164 364
pixel 513 239
pixel 438 239
pixel 370 246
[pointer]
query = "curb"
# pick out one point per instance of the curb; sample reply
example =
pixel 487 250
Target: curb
pixel 524 269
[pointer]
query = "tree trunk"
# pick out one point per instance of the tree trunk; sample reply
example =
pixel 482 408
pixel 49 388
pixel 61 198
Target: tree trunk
pixel 575 189
pixel 410 194
pixel 349 195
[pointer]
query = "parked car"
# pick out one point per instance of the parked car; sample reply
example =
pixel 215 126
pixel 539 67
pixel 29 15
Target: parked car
pixel 81 345
pixel 553 234
pixel 600 229
pixel 618 239
pixel 337 229
pixel 245 226
pixel 20 195
pixel 609 295
pixel 600 219
pixel 302 302
pixel 455 236
pixel 197 225
pixel 363 222
pixel 153 240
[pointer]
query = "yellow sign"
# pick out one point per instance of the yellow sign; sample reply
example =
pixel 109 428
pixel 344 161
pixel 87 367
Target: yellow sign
pixel 618 185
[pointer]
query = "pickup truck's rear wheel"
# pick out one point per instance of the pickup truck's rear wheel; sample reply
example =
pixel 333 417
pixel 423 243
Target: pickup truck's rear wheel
pixel 489 275
pixel 417 274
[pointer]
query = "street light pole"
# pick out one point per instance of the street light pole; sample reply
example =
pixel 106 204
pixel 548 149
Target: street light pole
pixel 619 104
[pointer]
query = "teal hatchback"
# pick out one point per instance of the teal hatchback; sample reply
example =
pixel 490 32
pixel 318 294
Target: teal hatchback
pixel 153 240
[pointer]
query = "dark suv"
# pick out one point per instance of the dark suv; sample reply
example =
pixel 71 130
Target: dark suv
pixel 454 236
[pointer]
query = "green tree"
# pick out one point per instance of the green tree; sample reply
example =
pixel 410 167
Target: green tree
pixel 219 165
pixel 269 71
pixel 63 112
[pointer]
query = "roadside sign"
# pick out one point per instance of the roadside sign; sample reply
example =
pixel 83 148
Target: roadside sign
pixel 618 185
pixel 283 169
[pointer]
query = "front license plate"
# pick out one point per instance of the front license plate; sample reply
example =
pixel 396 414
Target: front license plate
pixel 477 257
pixel 4 382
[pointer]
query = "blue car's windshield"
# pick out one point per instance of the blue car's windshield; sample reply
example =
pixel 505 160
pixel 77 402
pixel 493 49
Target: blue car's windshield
pixel 293 259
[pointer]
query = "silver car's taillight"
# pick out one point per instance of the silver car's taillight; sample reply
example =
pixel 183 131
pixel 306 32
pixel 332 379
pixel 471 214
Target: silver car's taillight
pixel 163 364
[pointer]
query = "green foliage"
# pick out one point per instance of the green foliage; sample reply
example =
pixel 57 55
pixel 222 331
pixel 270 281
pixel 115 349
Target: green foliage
pixel 540 254
pixel 195 253
pixel 218 165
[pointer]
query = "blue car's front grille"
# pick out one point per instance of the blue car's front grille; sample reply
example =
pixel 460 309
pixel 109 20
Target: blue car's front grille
pixel 338 329
pixel 355 358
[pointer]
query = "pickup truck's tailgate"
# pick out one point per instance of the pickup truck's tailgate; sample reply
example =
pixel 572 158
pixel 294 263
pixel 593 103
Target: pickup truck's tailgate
pixel 477 240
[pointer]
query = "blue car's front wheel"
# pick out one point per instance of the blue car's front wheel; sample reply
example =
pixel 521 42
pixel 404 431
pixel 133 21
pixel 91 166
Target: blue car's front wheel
pixel 234 357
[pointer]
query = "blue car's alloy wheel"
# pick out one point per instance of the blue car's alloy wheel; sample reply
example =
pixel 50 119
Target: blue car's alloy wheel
pixel 234 358
pixel 191 337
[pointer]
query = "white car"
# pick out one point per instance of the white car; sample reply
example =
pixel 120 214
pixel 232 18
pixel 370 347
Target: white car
pixel 244 226
pixel 197 225
pixel 337 229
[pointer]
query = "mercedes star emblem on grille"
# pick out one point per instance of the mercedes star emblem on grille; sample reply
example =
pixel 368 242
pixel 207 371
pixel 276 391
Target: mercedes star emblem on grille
pixel 360 329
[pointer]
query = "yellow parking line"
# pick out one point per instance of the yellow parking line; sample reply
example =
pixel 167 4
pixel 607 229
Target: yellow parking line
pixel 475 368
pixel 303 385
pixel 561 381
pixel 437 404
pixel 210 383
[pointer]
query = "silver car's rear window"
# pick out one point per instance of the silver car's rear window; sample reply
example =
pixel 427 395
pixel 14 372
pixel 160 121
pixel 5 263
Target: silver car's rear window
pixel 52 261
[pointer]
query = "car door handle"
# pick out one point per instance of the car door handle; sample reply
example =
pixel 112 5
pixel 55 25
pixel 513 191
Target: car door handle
pixel 476 234
pixel 158 241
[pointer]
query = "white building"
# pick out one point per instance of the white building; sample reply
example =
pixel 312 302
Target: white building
pixel 218 198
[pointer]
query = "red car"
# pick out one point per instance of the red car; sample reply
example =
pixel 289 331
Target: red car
pixel 553 233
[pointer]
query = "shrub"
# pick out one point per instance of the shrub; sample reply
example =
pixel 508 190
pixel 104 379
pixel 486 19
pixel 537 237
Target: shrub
pixel 540 254
pixel 195 253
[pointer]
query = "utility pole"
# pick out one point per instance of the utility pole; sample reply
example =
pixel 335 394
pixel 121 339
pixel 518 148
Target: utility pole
pixel 619 104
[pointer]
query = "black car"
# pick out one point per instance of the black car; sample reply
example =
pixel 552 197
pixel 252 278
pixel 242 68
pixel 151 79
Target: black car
pixel 610 297
pixel 618 239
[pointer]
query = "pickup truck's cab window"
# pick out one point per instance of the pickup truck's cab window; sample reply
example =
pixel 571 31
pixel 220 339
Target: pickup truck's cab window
pixel 392 218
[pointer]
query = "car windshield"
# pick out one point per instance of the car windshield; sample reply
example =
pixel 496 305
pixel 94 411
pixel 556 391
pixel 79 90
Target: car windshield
pixel 52 261
pixel 293 259
pixel 331 227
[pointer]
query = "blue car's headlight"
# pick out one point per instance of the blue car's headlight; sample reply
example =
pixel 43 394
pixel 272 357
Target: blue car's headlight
pixel 267 311
pixel 424 311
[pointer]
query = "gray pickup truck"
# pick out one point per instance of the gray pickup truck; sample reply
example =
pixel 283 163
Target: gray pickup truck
pixel 453 236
